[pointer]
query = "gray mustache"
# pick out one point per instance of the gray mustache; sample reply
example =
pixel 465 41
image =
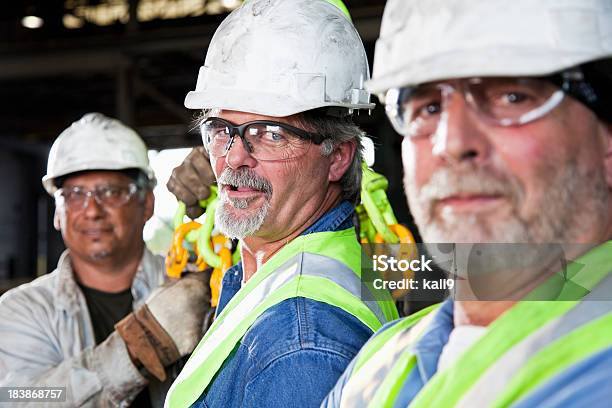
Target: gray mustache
pixel 245 177
pixel 445 183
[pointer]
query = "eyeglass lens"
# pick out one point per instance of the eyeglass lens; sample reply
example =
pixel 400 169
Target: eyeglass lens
pixel 499 101
pixel 263 141
pixel 110 196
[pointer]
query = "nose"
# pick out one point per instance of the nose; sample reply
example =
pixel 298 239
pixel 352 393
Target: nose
pixel 93 209
pixel 459 137
pixel 238 156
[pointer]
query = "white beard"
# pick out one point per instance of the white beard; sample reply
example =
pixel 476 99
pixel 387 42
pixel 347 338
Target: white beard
pixel 240 224
pixel 243 226
pixel 568 208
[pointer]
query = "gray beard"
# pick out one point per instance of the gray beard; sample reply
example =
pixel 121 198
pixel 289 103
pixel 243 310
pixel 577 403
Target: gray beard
pixel 247 224
pixel 99 256
pixel 573 202
pixel 569 208
pixel 239 227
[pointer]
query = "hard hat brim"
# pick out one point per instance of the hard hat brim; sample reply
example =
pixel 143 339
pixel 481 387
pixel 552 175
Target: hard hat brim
pixel 505 62
pixel 257 102
pixel 48 181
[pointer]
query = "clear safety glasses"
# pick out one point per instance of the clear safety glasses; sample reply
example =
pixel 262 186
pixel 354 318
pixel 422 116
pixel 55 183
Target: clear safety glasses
pixel 77 198
pixel 415 112
pixel 262 139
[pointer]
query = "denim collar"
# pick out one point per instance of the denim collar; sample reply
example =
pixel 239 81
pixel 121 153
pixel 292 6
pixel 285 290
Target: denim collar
pixel 430 345
pixel 337 219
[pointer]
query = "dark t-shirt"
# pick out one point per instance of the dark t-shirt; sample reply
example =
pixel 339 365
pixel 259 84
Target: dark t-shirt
pixel 106 309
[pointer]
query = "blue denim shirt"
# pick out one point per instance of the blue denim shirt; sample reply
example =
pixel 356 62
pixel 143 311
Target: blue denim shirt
pixel 583 384
pixel 294 352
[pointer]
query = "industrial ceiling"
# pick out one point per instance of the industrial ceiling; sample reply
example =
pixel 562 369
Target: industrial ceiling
pixel 133 59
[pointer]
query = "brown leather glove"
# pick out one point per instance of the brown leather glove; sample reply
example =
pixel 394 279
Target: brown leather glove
pixel 190 182
pixel 169 325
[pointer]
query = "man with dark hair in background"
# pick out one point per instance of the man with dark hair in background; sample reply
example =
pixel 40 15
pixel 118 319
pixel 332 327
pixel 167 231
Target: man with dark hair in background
pixel 93 325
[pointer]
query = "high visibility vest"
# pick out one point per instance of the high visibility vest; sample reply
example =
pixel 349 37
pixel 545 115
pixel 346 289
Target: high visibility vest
pixel 526 346
pixel 322 266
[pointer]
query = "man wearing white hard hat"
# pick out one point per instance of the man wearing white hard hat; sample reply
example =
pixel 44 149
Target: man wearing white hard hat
pixel 505 112
pixel 280 81
pixel 92 330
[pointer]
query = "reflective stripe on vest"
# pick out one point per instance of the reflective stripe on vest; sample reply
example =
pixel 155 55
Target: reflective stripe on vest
pixel 504 381
pixel 322 266
pixel 372 381
pixel 526 346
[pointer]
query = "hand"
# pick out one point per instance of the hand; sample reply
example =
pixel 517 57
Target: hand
pixel 170 324
pixel 190 182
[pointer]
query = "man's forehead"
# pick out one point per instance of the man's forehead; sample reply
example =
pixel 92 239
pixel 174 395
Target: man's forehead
pixel 96 177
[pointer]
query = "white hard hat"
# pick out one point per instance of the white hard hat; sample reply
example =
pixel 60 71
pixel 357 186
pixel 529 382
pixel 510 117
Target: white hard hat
pixel 429 40
pixel 281 57
pixel 96 142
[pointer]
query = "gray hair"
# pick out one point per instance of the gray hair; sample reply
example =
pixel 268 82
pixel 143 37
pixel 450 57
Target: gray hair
pixel 337 130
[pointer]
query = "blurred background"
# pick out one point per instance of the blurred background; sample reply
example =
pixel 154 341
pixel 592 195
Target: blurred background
pixel 130 59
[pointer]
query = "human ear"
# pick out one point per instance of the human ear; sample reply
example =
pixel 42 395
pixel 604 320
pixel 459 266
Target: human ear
pixel 149 205
pixel 608 154
pixel 341 159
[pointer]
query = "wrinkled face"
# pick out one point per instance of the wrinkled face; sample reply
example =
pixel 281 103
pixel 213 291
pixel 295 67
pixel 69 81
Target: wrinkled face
pixel 544 181
pixel 99 232
pixel 271 198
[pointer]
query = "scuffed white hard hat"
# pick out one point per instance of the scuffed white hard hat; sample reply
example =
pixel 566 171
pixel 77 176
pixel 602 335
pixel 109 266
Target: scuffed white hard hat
pixel 429 40
pixel 96 142
pixel 281 57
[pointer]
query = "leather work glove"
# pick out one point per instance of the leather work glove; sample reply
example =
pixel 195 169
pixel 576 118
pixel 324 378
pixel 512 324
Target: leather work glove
pixel 169 325
pixel 190 182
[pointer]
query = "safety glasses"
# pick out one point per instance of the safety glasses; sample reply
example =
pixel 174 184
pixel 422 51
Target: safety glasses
pixel 262 139
pixel 415 112
pixel 77 198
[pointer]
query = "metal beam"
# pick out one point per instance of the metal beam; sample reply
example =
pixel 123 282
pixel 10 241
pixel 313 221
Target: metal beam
pixel 15 144
pixel 125 95
pixel 27 66
pixel 166 102
pixel 106 54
